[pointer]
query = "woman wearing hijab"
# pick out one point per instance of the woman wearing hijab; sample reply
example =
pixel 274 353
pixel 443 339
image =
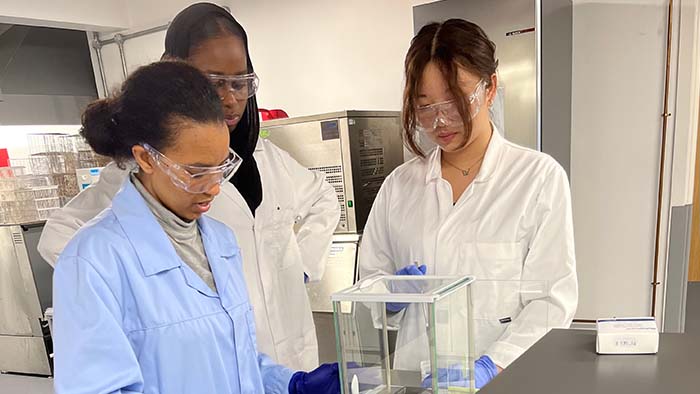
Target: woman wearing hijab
pixel 283 215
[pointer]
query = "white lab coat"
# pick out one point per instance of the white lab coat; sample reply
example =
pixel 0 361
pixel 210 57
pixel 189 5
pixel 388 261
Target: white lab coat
pixel 513 222
pixel 62 225
pixel 289 236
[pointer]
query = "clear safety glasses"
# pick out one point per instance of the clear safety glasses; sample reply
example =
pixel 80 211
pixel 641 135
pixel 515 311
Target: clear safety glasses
pixel 193 179
pixel 446 113
pixel 242 87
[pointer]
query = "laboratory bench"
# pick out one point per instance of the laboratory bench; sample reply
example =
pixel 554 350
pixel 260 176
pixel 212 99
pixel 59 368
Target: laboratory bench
pixel 565 361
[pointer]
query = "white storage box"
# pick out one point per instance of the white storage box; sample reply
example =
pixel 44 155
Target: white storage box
pixel 637 335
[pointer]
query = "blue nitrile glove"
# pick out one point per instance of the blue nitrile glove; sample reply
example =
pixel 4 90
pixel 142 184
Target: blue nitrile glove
pixel 407 270
pixel 484 371
pixel 322 380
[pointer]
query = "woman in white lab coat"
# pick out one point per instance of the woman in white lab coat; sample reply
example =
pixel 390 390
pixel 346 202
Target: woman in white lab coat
pixel 282 214
pixel 475 205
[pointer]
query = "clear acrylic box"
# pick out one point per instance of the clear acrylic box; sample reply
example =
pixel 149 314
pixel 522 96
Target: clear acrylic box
pixel 447 324
pixel 434 332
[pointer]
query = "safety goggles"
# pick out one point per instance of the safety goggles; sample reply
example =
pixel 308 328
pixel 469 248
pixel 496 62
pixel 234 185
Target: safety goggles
pixel 194 179
pixel 446 113
pixel 242 87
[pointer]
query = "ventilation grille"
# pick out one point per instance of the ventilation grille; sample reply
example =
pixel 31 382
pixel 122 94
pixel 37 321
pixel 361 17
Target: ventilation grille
pixel 17 239
pixel 328 170
pixel 372 173
pixel 334 176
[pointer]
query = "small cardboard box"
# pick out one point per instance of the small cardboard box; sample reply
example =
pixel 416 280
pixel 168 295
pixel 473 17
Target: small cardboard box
pixel 637 335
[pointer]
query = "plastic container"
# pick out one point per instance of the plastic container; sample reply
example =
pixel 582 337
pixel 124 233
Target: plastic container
pixel 24 162
pixel 46 143
pixel 90 159
pixel 18 211
pixel 8 184
pixel 34 181
pixel 45 214
pixel 63 163
pixel 48 203
pixel 67 184
pixel 16 195
pixel 41 164
pixel 45 192
pixel 75 143
pixel 11 172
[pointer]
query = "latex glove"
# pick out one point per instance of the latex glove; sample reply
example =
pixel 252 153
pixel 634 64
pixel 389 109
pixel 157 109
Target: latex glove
pixel 484 371
pixel 322 380
pixel 407 270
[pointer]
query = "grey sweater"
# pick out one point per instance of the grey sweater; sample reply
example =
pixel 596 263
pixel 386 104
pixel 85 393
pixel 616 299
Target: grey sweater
pixel 184 235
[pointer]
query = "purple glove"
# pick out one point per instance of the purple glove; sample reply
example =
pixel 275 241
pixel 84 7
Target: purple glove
pixel 407 270
pixel 484 371
pixel 322 380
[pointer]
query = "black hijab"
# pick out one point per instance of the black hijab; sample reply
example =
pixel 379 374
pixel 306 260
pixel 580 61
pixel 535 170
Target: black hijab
pixel 190 28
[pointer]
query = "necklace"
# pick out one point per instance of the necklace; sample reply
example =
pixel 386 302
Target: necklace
pixel 467 171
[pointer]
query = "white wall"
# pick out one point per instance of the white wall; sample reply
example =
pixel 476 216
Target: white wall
pixel 311 56
pixel 14 138
pixel 316 57
pixel 98 15
pixel 617 101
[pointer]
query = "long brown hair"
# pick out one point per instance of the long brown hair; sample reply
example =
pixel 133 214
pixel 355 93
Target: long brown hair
pixel 451 45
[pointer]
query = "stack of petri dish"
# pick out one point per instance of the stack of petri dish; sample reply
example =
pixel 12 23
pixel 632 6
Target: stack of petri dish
pixel 54 155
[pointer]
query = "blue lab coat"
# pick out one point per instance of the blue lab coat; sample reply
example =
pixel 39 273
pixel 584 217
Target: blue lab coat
pixel 131 317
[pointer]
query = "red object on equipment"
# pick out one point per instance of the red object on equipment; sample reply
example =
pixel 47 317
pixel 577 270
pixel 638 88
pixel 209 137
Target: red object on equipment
pixel 269 114
pixel 4 158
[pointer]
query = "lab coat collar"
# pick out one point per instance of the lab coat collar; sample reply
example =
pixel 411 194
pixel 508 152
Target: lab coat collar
pixel 488 166
pixel 153 248
pixel 222 246
pixel 219 249
pixel 259 145
pixel 492 157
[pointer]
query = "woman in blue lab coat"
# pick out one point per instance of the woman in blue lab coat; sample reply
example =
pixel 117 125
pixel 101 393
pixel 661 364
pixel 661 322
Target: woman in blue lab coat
pixel 271 200
pixel 149 297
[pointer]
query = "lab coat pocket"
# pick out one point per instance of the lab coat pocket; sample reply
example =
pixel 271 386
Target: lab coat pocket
pixel 279 237
pixel 250 320
pixel 496 294
pixel 494 260
pixel 246 349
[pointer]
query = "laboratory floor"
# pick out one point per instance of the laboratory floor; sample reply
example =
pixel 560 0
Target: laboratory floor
pixel 692 309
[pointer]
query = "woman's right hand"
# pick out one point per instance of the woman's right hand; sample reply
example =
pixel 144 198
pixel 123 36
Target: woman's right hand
pixel 412 269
